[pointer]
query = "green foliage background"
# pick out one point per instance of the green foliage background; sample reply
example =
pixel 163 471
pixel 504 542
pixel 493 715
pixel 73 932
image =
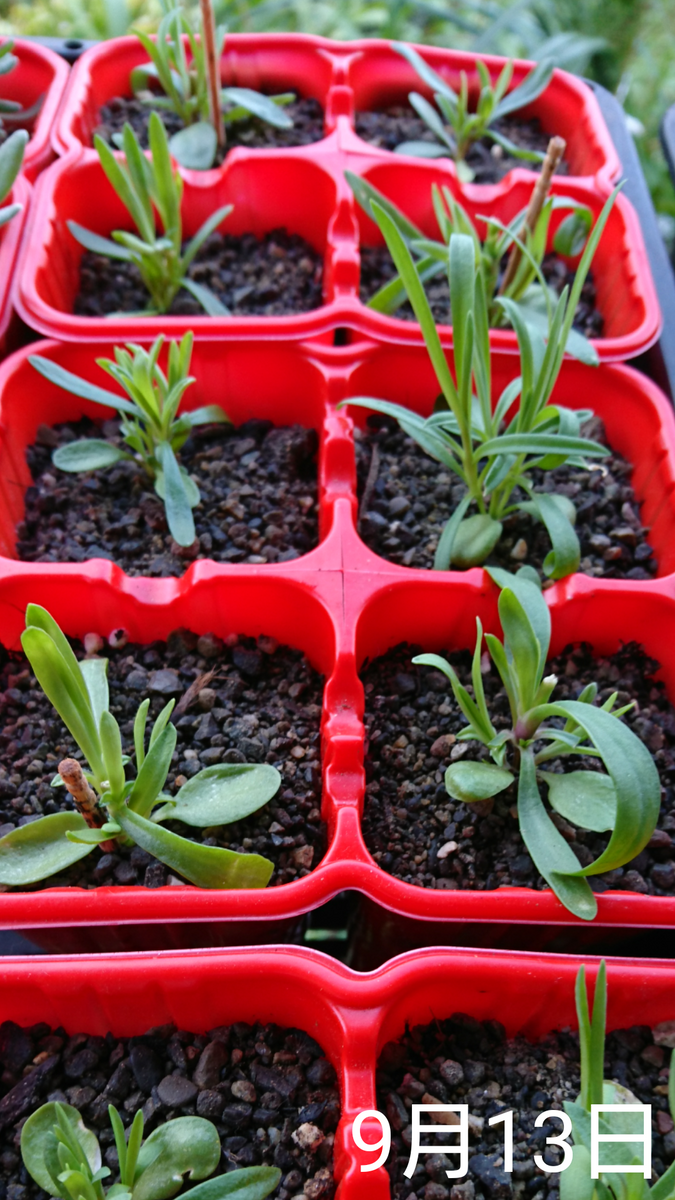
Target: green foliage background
pixel 627 45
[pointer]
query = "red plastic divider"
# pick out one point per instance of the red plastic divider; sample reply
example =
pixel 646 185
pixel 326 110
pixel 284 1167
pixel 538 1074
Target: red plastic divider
pixel 339 603
pixel 40 72
pixel 304 188
pixel 10 240
pixel 351 1016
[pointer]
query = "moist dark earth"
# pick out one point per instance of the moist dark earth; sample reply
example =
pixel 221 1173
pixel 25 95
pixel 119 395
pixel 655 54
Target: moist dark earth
pixel 377 268
pixel 257 483
pixel 244 701
pixel 306 114
pixel 413 497
pixel 416 832
pixel 270 1092
pixel 488 161
pixel 463 1061
pixel 276 275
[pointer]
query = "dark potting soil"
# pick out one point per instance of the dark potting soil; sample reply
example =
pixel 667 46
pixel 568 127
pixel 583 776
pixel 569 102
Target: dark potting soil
pixel 276 275
pixel 416 832
pixel 413 497
pixel 306 114
pixel 270 1092
pixel 250 702
pixel 489 162
pixel 464 1061
pixel 377 268
pixel 259 501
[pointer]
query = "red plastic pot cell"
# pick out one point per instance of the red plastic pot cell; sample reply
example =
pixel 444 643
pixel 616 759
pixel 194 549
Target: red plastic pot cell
pixel 267 190
pixel 625 292
pixel 275 382
pixel 638 421
pixel 380 77
pixel 10 240
pixel 40 72
pixel 265 62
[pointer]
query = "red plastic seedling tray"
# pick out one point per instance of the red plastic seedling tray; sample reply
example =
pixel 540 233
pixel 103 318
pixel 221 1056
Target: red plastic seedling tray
pixel 345 77
pixel 304 188
pixel 40 72
pixel 351 1016
pixel 339 604
pixel 10 239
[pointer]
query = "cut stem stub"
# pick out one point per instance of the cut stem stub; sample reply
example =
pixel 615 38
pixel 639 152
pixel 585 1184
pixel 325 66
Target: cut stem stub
pixel 554 153
pixel 84 796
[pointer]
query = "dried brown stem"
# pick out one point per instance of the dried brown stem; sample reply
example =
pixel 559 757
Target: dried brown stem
pixel 554 153
pixel 84 796
pixel 212 69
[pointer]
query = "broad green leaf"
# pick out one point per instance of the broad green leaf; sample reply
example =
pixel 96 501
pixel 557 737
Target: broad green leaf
pixel 35 851
pixel 39 1128
pixel 444 550
pixel 222 794
pixel 89 454
pixel 570 236
pixel 471 781
pixel 178 508
pixel 195 146
pixel 586 798
pixel 475 538
pixel 81 387
pixel 153 772
pixel 94 671
pixel 248 1183
pixel 185 1146
pixel 97 244
pixel 11 158
pixel 258 105
pixel 551 854
pixel 576 1182
pixel 191 490
pixel 205 866
pixel 565 556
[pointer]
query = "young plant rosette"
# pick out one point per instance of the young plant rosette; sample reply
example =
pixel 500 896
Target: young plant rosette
pixel 110 807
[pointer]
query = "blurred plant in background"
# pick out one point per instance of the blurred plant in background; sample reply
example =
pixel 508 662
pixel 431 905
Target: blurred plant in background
pixel 626 45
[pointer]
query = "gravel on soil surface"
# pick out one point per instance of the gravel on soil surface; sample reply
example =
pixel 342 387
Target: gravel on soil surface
pixel 414 496
pixel 463 1061
pixel 259 501
pixel 489 162
pixel 416 832
pixel 377 268
pixel 250 702
pixel 270 1092
pixel 276 275
pixel 307 116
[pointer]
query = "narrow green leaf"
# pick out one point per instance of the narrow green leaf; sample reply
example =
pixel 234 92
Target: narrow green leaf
pixel 81 387
pixel 222 794
pixel 93 837
pixel 468 781
pixel 65 688
pixel 522 646
pixel 97 244
pixel 178 509
pixel 426 73
pixel 140 721
pixel 153 772
pixel 528 591
pixel 195 244
pixel 208 414
pixel 213 307
pixel 88 454
pixel 258 105
pixel 422 149
pixel 111 744
pixel 541 443
pixel 36 851
pixel 94 671
pixel 532 86
pixel 11 158
pixel 364 193
pixel 444 550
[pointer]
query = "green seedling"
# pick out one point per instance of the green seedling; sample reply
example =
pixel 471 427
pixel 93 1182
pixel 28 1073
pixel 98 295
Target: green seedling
pixel 11 158
pixel 11 112
pixel 146 187
pixel 455 126
pixel 576 1182
pixel 623 800
pixel 525 286
pixel 111 809
pixel 186 89
pixel 151 426
pixel 494 451
pixel 64 1159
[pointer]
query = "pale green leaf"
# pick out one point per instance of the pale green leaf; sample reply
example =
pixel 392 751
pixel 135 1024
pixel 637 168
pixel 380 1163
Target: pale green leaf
pixel 468 781
pixel 222 794
pixel 35 851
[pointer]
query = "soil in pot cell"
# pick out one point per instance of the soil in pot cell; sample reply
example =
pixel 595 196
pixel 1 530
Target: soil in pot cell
pixel 460 1060
pixel 237 701
pixel 416 832
pixel 276 275
pixel 409 498
pixel 377 269
pixel 270 1093
pixel 305 112
pixel 258 487
pixel 389 127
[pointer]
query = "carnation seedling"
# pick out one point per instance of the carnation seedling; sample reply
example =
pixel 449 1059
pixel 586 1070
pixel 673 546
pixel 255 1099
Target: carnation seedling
pixel 625 799
pixel 576 1182
pixel 111 809
pixel 64 1159
pixel 150 424
pixel 494 451
pixel 11 158
pixel 190 82
pixel 146 187
pixel 453 123
pixel 11 112
pixel 522 284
